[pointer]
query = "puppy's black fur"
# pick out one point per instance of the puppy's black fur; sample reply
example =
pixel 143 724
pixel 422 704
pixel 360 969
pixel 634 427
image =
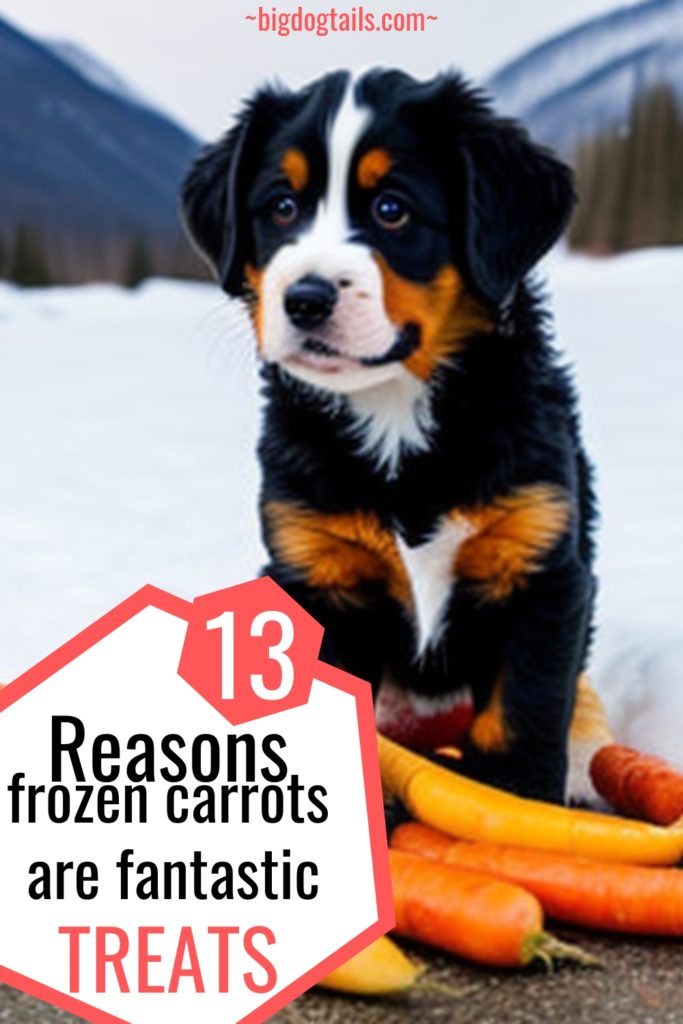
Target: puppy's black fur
pixel 504 448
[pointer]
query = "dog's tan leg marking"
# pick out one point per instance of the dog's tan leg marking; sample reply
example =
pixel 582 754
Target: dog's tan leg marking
pixel 511 537
pixel 337 552
pixel 490 732
pixel 588 732
pixel 589 721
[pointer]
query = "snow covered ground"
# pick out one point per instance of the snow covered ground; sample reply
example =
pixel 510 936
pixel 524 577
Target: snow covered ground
pixel 127 430
pixel 621 322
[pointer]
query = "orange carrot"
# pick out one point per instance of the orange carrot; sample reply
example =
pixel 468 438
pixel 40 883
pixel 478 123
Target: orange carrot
pixel 472 915
pixel 611 897
pixel 470 810
pixel 638 784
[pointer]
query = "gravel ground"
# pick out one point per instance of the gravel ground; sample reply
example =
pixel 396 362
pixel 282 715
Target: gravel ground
pixel 638 983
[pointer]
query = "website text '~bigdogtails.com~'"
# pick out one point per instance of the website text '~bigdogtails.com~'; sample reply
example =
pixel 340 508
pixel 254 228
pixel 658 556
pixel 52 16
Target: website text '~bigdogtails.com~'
pixel 322 23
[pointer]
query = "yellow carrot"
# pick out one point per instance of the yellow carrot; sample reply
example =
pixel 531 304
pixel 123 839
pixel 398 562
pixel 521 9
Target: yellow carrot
pixel 380 969
pixel 471 810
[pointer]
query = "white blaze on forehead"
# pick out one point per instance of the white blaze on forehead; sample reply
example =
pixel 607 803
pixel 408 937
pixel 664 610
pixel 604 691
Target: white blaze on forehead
pixel 390 408
pixel 360 327
pixel 331 222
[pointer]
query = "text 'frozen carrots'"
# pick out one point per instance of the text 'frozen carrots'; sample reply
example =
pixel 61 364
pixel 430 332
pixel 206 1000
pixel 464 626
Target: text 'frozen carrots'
pixel 638 784
pixel 381 969
pixel 472 915
pixel 610 897
pixel 470 810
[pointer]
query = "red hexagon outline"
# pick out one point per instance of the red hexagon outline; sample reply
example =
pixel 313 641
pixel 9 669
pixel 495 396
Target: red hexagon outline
pixel 207 607
pixel 151 596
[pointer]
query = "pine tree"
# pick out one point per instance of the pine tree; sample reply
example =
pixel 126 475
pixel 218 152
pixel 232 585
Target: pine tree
pixel 631 182
pixel 27 264
pixel 602 175
pixel 139 263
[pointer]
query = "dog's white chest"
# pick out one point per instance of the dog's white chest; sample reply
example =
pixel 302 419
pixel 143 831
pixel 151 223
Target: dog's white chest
pixel 430 568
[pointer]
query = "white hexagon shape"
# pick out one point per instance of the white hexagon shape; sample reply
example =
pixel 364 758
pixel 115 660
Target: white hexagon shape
pixel 120 678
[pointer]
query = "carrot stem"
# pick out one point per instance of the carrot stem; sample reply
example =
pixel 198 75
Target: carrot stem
pixel 549 949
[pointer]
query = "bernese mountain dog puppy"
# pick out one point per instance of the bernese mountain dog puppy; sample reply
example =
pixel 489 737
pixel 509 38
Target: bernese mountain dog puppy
pixel 425 492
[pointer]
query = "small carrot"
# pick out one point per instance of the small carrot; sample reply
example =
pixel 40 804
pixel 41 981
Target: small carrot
pixel 638 784
pixel 381 969
pixel 470 810
pixel 472 915
pixel 609 897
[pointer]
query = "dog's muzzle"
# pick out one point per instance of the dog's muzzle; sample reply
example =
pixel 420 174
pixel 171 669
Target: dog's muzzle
pixel 406 343
pixel 309 304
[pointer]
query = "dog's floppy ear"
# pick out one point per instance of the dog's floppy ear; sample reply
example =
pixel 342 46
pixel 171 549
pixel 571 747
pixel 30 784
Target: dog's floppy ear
pixel 518 200
pixel 213 204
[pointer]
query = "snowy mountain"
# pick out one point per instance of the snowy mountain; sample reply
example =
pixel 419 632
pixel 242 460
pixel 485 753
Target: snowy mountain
pixel 584 81
pixel 85 165
pixel 95 70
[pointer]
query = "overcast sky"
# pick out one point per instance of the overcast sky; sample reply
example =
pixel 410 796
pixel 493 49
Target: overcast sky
pixel 196 57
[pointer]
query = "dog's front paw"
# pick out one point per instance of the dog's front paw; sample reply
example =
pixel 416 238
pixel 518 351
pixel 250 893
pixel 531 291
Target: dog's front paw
pixel 580 791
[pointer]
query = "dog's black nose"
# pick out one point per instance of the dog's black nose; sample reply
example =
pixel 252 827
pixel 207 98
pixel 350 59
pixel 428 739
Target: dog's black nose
pixel 309 301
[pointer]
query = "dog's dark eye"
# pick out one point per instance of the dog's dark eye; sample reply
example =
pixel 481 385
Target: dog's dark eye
pixel 390 211
pixel 284 210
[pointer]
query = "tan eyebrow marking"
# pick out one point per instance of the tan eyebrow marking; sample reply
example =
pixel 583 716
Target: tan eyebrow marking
pixel 295 167
pixel 372 167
